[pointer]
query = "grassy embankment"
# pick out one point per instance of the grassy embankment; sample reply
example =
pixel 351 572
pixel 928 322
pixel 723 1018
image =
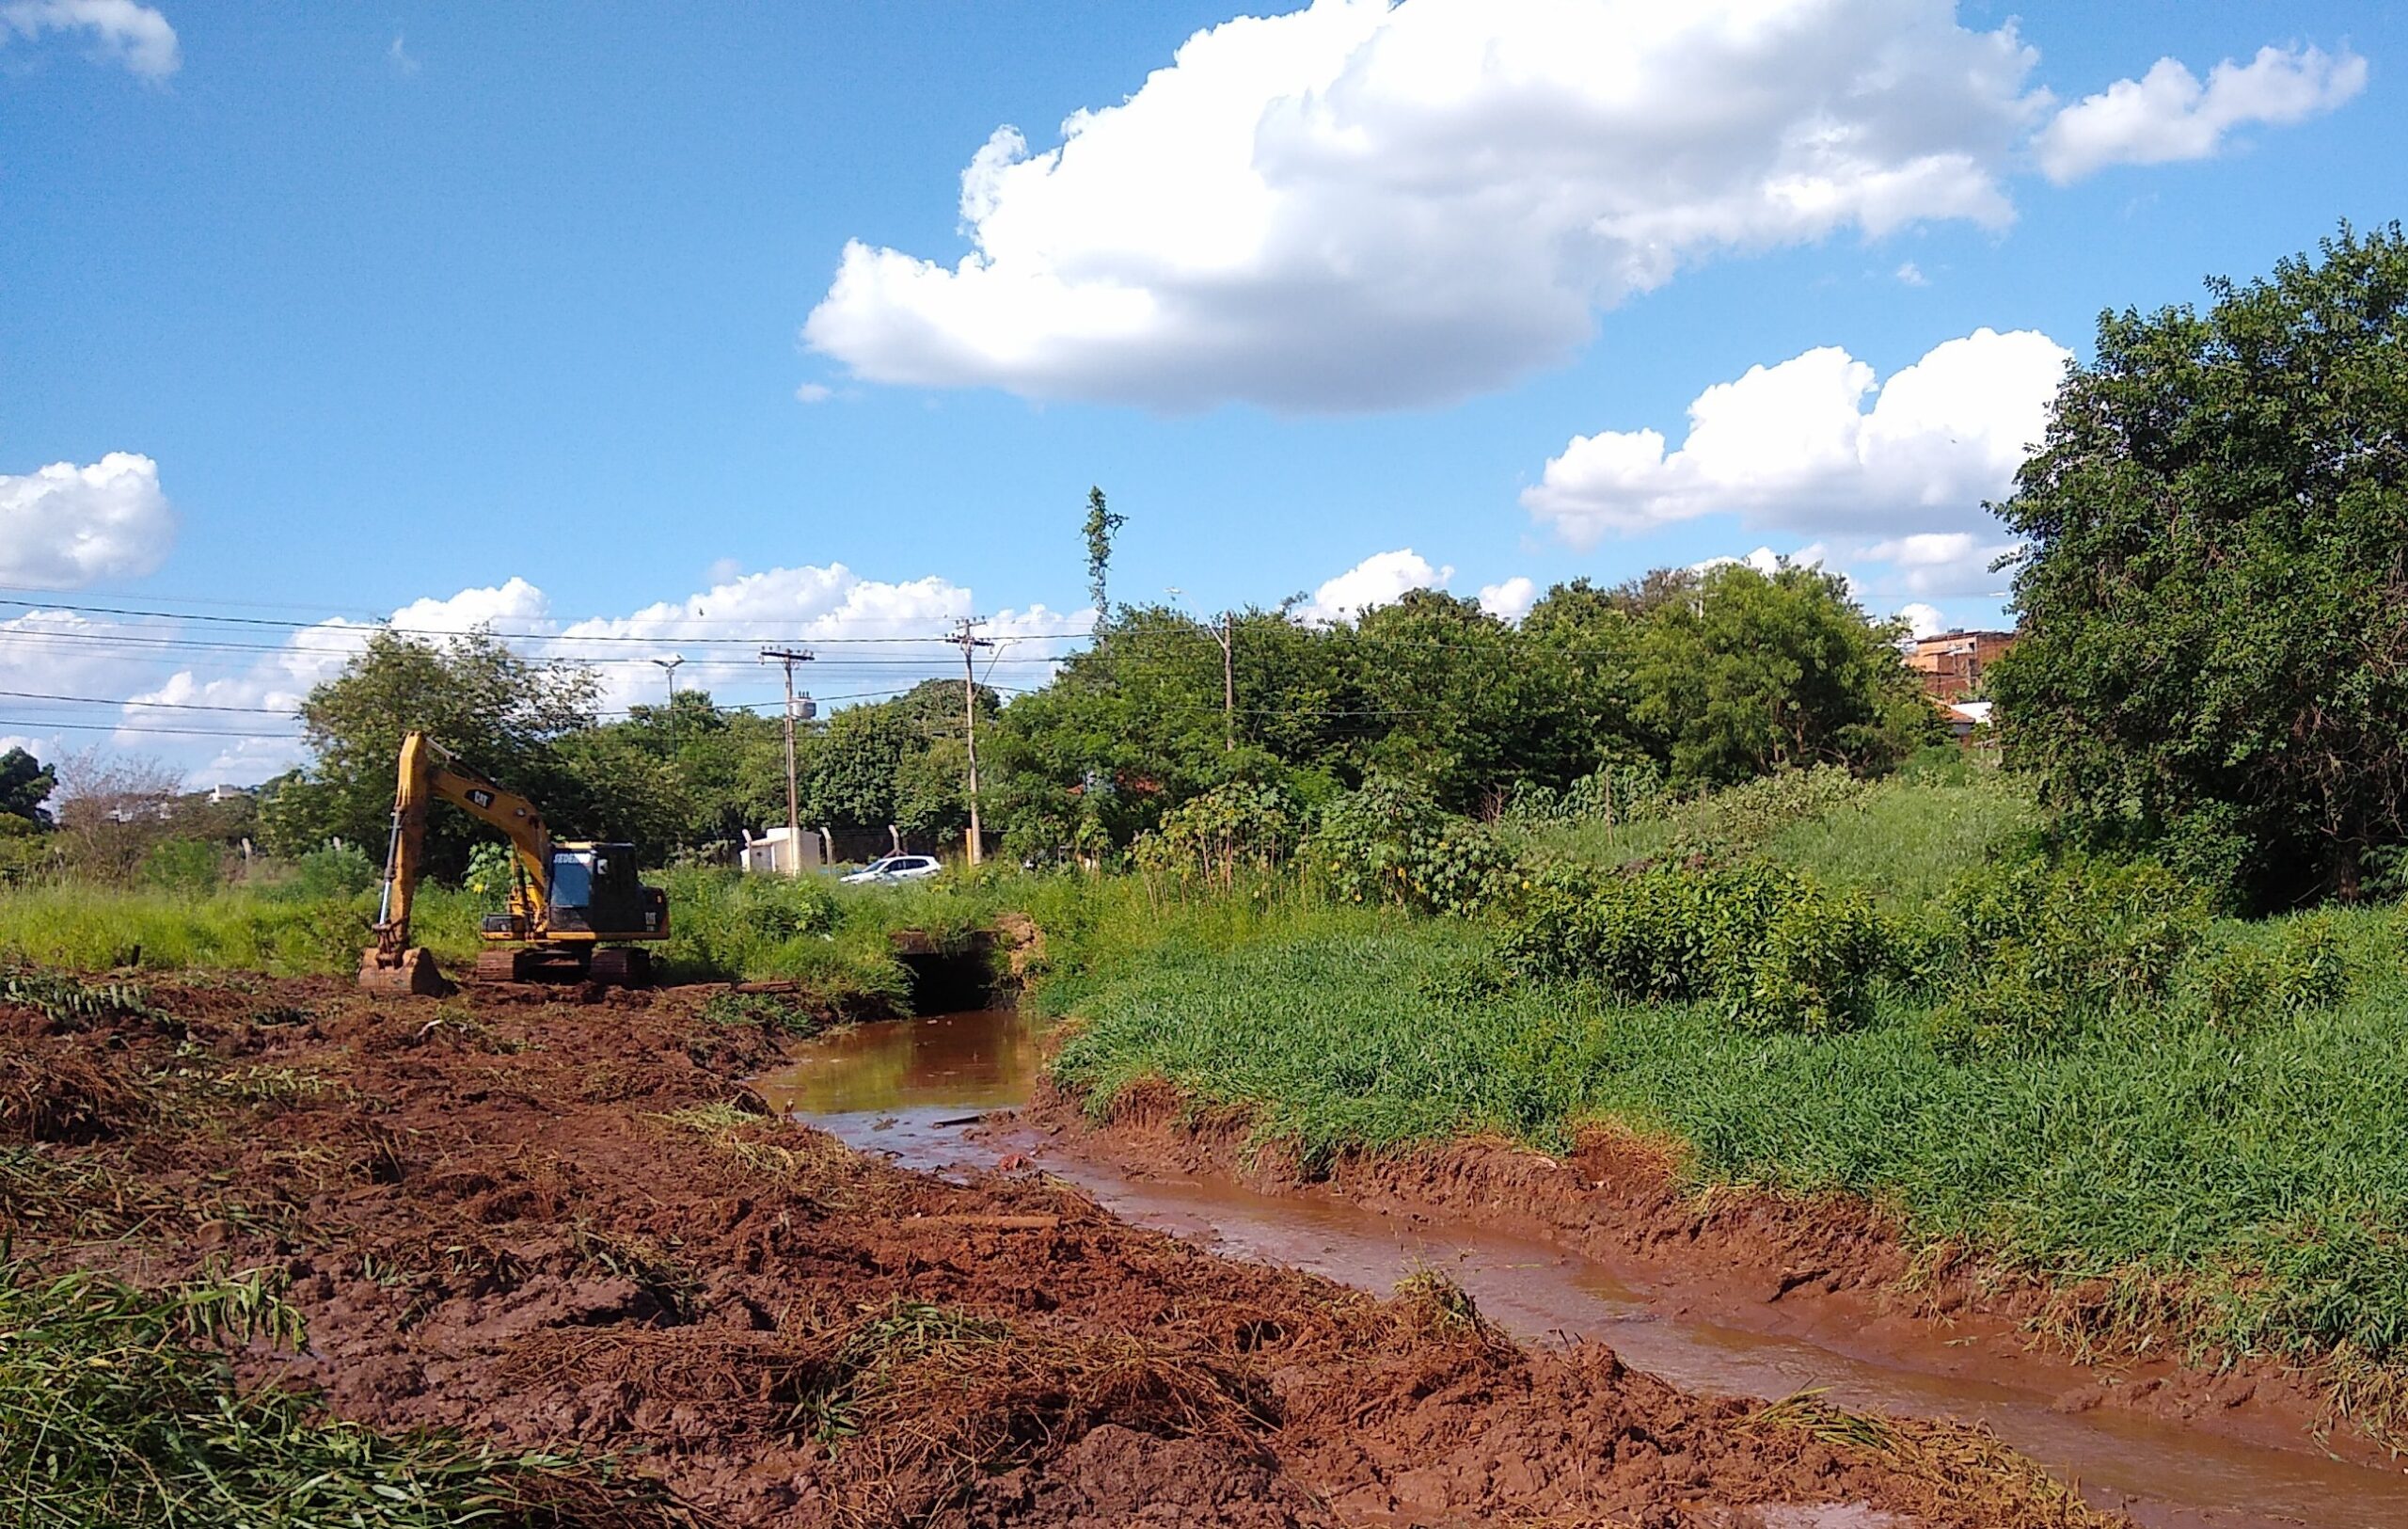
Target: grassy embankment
pixel 2222 1132
pixel 831 941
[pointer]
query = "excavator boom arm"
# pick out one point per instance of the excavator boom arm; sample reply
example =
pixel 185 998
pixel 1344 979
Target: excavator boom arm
pixel 426 773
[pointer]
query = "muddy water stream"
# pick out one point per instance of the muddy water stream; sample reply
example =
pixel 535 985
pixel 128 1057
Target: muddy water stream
pixel 905 1088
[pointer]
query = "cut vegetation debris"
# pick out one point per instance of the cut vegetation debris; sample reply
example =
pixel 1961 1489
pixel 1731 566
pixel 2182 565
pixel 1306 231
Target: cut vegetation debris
pixel 119 1406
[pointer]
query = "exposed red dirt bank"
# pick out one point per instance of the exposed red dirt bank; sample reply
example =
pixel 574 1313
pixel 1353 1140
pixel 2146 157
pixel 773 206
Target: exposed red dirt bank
pixel 1832 1271
pixel 550 1222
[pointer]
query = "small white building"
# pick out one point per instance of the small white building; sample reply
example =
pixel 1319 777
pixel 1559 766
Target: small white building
pixel 781 851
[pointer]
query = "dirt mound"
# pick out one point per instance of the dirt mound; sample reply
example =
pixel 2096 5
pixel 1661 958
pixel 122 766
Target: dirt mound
pixel 569 1225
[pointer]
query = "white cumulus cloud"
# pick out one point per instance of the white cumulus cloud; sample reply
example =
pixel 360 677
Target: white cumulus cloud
pixel 224 718
pixel 1795 446
pixel 1367 204
pixel 1922 620
pixel 1380 578
pixel 833 605
pixel 122 32
pixel 1939 564
pixel 2168 114
pixel 63 526
pixel 1510 600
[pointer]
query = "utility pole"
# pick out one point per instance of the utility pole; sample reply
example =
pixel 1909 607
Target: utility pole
pixel 1229 636
pixel 790 657
pixel 966 638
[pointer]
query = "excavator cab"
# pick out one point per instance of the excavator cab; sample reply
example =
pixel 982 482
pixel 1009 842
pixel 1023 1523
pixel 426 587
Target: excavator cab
pixel 594 892
pixel 595 889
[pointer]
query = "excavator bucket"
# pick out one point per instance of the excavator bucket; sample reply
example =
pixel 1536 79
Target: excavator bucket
pixel 411 974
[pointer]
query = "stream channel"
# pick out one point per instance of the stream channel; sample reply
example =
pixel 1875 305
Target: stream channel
pixel 888 1087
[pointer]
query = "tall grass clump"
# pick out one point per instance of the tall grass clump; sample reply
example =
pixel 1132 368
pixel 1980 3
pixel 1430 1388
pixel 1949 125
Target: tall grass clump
pixel 1908 839
pixel 272 928
pixel 118 1407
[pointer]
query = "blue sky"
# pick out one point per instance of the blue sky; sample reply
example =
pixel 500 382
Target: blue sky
pixel 407 301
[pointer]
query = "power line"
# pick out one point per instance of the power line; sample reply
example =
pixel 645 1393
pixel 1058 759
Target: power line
pixel 205 645
pixel 37 607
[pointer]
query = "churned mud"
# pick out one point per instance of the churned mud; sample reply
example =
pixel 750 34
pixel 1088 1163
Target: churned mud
pixel 573 1224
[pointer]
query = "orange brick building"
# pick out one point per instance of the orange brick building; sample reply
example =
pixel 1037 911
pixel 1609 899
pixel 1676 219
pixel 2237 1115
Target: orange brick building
pixel 1950 664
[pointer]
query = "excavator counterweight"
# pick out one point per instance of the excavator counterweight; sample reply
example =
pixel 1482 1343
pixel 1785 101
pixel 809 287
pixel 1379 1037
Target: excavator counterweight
pixel 572 905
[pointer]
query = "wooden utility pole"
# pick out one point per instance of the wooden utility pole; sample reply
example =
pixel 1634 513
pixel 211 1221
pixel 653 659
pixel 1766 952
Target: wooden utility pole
pixel 790 657
pixel 966 638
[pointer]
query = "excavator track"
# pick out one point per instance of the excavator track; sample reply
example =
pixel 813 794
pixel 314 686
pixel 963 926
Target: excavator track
pixel 499 965
pixel 619 966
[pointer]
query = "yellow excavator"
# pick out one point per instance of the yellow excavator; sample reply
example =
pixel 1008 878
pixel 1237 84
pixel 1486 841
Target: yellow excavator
pixel 577 910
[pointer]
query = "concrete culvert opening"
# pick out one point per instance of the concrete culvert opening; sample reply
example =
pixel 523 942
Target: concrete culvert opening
pixel 954 973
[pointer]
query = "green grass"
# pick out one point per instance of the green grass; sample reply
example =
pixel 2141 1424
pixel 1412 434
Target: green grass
pixel 831 941
pixel 93 928
pixel 118 1407
pixel 1903 840
pixel 2263 1165
pixel 1906 840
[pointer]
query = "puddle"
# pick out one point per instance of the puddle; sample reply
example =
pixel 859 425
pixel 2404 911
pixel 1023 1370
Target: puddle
pixel 904 1088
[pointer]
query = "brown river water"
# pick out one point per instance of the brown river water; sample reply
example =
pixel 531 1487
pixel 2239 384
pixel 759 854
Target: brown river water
pixel 903 1087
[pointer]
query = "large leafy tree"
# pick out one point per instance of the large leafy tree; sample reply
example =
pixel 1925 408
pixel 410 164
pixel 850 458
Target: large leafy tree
pixel 504 715
pixel 903 761
pixel 684 778
pixel 25 784
pixel 1135 724
pixel 1747 673
pixel 1458 705
pixel 2214 593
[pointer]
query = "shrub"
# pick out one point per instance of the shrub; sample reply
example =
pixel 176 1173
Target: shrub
pixel 2007 1013
pixel 1617 794
pixel 2035 950
pixel 1782 953
pixel 185 867
pixel 1209 838
pixel 491 874
pixel 2304 969
pixel 1390 842
pixel 783 907
pixel 1812 971
pixel 338 870
pixel 1732 823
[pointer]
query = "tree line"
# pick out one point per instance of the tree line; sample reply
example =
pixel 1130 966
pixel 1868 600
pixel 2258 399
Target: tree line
pixel 1704 678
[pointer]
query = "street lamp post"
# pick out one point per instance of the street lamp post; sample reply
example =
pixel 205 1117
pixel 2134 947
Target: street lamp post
pixel 668 666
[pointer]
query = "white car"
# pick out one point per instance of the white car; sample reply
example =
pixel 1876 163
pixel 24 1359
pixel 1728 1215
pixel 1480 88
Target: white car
pixel 897 867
